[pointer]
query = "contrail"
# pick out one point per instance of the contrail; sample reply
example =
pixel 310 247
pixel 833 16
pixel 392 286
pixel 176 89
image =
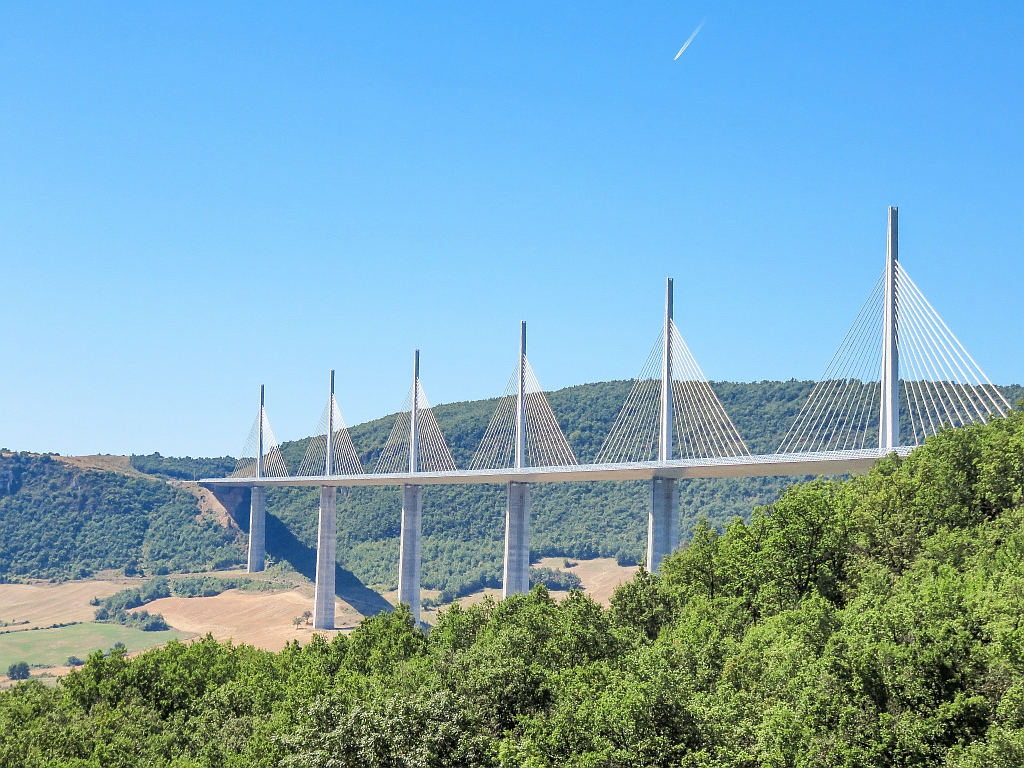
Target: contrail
pixel 688 41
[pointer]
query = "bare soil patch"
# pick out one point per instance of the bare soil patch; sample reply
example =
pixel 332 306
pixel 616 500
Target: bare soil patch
pixel 208 504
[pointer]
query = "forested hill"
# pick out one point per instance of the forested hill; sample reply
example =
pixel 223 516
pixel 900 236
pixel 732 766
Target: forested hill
pixel 464 525
pixel 865 623
pixel 762 412
pixel 58 520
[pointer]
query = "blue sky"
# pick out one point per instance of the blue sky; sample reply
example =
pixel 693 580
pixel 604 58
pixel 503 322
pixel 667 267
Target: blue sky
pixel 196 199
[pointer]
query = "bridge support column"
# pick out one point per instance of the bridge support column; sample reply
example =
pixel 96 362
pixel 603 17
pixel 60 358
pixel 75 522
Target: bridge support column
pixel 662 521
pixel 257 529
pixel 409 557
pixel 327 543
pixel 517 540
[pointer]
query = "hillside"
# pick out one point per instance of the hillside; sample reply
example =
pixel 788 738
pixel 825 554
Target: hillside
pixel 463 526
pixel 61 520
pixel 66 518
pixel 861 623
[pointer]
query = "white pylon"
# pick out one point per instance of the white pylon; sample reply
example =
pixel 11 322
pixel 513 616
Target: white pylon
pixel 889 411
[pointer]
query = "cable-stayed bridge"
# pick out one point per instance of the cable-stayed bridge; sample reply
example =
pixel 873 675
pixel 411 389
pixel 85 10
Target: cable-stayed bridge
pixel 899 376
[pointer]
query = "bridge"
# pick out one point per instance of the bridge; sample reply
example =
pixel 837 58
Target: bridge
pixel 899 376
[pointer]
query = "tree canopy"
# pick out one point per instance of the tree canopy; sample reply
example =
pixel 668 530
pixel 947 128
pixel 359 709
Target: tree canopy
pixel 871 621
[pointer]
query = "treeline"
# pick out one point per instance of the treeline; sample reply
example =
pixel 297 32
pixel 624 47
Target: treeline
pixel 187 586
pixel 118 607
pixel 864 623
pixel 184 468
pixel 208 586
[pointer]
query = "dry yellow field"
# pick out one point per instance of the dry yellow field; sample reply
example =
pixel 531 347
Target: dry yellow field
pixel 43 605
pixel 600 576
pixel 262 619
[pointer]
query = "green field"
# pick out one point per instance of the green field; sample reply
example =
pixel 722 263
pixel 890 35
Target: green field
pixel 51 647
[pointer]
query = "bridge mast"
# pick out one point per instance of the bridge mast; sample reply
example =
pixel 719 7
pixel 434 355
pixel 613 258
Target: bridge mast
pixel 665 431
pixel 521 401
pixel 327 533
pixel 329 453
pixel 517 513
pixel 258 506
pixel 259 448
pixel 409 555
pixel 889 412
pixel 414 446
pixel 663 512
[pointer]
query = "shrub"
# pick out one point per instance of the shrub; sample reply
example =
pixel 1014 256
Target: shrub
pixel 553 578
pixel 154 589
pixel 154 623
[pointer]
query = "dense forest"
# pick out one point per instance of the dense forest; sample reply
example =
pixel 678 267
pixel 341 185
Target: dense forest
pixel 60 521
pixel 865 622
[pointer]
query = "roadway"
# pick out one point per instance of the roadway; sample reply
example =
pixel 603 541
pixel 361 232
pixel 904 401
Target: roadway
pixel 763 465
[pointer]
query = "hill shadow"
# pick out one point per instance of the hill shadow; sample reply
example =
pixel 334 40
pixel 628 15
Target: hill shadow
pixel 283 545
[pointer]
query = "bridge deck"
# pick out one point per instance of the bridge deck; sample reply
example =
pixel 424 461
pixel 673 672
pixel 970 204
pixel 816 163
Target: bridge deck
pixel 765 465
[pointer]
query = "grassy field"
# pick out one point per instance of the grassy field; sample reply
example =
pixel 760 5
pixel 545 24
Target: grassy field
pixel 51 647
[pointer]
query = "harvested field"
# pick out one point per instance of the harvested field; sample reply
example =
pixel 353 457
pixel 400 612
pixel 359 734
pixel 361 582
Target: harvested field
pixel 262 619
pixel 43 605
pixel 600 576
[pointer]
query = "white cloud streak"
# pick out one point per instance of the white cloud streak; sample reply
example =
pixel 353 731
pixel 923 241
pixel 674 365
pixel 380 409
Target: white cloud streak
pixel 688 41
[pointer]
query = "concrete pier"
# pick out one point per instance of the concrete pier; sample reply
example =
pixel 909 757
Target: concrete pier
pixel 258 529
pixel 662 521
pixel 327 543
pixel 409 549
pixel 258 504
pixel 517 540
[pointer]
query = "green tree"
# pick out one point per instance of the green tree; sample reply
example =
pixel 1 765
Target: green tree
pixel 18 671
